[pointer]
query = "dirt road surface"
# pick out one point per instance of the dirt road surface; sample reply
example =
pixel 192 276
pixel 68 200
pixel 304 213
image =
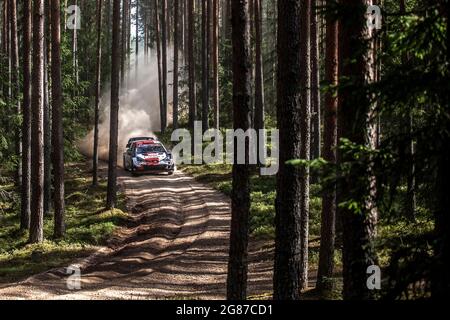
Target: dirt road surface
pixel 175 247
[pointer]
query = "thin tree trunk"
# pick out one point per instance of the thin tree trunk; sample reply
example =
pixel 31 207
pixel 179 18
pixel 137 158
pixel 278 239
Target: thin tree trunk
pixel 305 140
pixel 259 72
pixel 240 196
pixel 191 60
pixel 164 64
pixel 205 65
pixel 47 116
pixel 26 123
pixel 123 56
pixel 328 216
pixel 158 53
pixel 15 83
pixel 315 86
pixel 37 130
pixel 97 92
pixel 215 63
pixel 408 122
pixel 137 39
pixel 176 39
pixel 440 282
pixel 57 121
pixel 75 52
pixel 114 118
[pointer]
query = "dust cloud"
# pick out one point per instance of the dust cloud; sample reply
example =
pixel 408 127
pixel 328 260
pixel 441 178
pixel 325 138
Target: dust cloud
pixel 139 112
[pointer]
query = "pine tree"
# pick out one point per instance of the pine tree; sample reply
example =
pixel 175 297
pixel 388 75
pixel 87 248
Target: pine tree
pixel 114 118
pixel 37 106
pixel 240 196
pixel 57 122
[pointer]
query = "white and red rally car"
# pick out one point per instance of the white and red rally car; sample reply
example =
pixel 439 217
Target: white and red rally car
pixel 148 156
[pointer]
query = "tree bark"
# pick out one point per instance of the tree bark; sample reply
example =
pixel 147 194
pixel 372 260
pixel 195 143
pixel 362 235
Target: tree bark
pixel 215 63
pixel 15 82
pixel 124 48
pixel 259 72
pixel 328 215
pixel 158 53
pixel 176 39
pixel 137 40
pixel 37 130
pixel 191 61
pixel 315 86
pixel 114 118
pixel 240 197
pixel 288 247
pixel 358 228
pixel 305 140
pixel 164 64
pixel 26 123
pixel 98 72
pixel 57 122
pixel 440 282
pixel 47 114
pixel 205 64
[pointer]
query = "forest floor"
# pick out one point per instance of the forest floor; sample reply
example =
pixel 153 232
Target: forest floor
pixel 174 246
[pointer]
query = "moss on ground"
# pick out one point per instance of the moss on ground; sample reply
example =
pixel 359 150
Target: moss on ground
pixel 88 225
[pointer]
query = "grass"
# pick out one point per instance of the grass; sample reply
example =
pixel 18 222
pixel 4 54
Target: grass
pixel 263 193
pixel 88 227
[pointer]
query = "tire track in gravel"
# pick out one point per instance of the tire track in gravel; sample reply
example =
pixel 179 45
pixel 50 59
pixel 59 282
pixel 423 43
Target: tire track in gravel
pixel 175 246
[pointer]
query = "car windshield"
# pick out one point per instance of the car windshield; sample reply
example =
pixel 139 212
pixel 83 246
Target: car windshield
pixel 151 148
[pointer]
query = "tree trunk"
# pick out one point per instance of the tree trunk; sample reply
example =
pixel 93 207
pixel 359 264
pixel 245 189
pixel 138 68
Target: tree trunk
pixel 205 65
pixel 215 63
pixel 158 53
pixel 15 82
pixel 440 285
pixel 47 117
pixel 37 130
pixel 75 51
pixel 328 216
pixel 137 40
pixel 164 65
pixel 288 247
pixel 305 140
pixel 98 70
pixel 114 118
pixel 176 39
pixel 26 123
pixel 358 228
pixel 315 86
pixel 191 61
pixel 123 56
pixel 240 196
pixel 259 72
pixel 57 122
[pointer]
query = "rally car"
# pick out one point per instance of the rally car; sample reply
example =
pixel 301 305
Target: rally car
pixel 148 156
pixel 135 139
